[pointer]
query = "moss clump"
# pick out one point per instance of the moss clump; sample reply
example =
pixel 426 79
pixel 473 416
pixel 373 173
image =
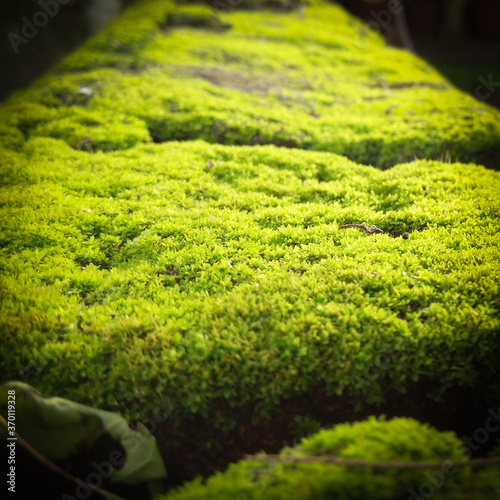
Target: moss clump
pixel 93 130
pixel 10 137
pixel 402 440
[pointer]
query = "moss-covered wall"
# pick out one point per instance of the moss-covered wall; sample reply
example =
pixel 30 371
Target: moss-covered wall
pixel 212 271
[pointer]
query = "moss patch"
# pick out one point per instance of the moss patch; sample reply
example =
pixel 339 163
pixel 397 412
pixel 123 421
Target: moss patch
pixel 399 440
pixel 200 271
pixel 197 17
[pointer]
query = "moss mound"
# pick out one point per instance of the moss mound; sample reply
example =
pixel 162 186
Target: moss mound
pixel 402 440
pixel 166 230
pixel 201 271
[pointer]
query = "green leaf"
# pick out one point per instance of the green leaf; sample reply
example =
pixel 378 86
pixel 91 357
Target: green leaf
pixel 58 428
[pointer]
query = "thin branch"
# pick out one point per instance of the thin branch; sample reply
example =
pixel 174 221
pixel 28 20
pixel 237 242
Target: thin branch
pixel 55 468
pixel 330 459
pixel 364 226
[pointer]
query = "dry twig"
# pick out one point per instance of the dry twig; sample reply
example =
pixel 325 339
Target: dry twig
pixel 364 226
pixel 330 459
pixel 55 468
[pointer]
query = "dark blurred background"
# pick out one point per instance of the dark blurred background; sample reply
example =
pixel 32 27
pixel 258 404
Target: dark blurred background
pixel 461 38
pixel 35 34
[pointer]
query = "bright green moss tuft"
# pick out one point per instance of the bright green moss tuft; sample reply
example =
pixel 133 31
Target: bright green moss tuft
pixel 10 137
pixel 90 130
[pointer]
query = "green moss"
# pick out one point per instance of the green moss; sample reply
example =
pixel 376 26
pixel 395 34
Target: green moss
pixel 196 16
pixel 231 5
pixel 10 137
pixel 273 78
pixel 91 130
pixel 134 27
pixel 401 440
pixel 208 272
pixel 202 271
